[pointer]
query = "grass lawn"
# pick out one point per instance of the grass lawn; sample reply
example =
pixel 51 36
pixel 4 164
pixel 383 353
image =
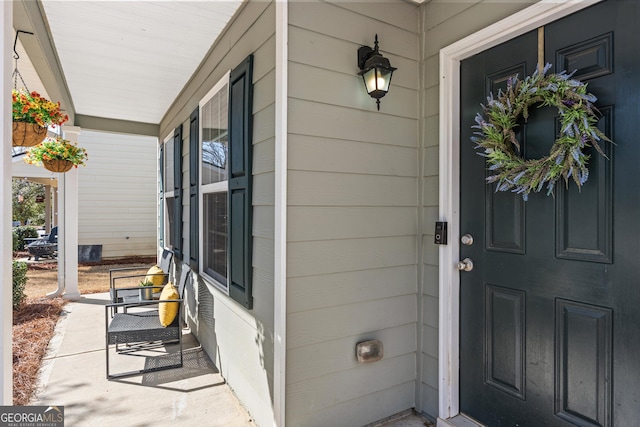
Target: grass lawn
pixel 92 277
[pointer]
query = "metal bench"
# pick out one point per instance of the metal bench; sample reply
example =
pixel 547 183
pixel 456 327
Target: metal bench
pixel 141 330
pixel 122 281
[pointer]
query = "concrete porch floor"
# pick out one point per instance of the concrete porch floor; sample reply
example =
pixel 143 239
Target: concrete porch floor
pixel 73 375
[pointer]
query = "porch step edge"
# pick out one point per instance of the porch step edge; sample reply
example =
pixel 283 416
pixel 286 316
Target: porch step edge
pixel 459 420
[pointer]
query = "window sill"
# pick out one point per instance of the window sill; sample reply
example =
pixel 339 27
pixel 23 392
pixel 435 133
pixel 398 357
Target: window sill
pixel 211 282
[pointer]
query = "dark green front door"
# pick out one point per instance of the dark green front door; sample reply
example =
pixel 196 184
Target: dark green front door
pixel 550 314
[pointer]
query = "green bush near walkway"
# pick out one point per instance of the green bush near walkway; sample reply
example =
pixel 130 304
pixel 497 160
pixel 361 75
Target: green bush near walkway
pixel 19 282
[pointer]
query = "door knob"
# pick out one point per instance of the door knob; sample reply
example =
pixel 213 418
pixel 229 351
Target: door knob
pixel 465 265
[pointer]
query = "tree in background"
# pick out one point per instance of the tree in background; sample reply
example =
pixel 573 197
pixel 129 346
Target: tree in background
pixel 25 207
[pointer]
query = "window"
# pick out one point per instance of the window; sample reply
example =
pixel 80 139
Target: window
pixel 214 184
pixel 172 185
pixel 167 174
pixel 225 130
pixel 160 206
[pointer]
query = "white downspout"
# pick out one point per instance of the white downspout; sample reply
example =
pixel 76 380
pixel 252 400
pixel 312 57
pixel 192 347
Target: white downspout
pixel 280 229
pixel 6 265
pixel 47 209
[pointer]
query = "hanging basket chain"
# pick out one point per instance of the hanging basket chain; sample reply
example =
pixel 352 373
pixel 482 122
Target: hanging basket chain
pixel 16 56
pixel 15 76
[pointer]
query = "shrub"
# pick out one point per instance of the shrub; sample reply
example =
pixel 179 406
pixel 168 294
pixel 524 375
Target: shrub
pixel 19 282
pixel 22 232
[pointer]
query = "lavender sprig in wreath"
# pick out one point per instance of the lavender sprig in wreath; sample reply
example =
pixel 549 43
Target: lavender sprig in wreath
pixel 496 137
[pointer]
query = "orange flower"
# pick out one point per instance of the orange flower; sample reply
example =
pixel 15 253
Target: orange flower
pixel 33 108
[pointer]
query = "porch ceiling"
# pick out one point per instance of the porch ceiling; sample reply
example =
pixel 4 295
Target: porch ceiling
pixel 128 60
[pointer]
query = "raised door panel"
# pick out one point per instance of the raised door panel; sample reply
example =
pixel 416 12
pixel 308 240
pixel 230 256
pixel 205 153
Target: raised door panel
pixel 583 363
pixel 505 340
pixel 505 211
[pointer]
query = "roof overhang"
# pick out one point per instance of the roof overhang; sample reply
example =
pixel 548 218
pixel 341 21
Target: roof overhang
pixel 117 66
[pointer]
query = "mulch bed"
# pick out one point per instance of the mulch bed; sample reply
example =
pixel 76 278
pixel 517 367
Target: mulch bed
pixel 33 326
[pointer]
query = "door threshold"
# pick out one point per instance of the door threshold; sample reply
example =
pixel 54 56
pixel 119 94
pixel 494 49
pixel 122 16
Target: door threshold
pixel 459 420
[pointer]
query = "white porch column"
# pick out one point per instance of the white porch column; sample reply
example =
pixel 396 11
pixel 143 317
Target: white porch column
pixel 68 224
pixel 6 265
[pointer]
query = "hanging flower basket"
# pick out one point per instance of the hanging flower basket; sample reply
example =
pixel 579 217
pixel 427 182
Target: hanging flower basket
pixel 32 114
pixel 56 154
pixel 28 134
pixel 57 165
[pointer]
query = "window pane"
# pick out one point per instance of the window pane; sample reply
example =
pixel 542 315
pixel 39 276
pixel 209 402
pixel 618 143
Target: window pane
pixel 214 138
pixel 168 238
pixel 168 166
pixel 215 239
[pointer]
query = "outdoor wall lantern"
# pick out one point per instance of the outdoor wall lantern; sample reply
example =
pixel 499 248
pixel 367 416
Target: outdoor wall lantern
pixel 376 71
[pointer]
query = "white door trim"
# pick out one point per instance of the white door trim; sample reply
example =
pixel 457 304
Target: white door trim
pixel 526 20
pixel 280 226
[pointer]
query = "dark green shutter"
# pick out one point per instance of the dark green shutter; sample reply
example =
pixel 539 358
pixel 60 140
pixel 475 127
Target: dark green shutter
pixel 239 205
pixel 177 193
pixel 194 225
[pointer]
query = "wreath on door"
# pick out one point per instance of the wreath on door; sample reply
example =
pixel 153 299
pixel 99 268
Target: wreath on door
pixel 496 137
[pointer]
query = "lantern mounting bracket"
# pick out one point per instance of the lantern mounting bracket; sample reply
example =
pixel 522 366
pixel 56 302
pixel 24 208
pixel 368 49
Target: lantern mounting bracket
pixel 365 52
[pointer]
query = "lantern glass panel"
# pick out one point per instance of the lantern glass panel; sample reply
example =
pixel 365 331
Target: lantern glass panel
pixel 377 79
